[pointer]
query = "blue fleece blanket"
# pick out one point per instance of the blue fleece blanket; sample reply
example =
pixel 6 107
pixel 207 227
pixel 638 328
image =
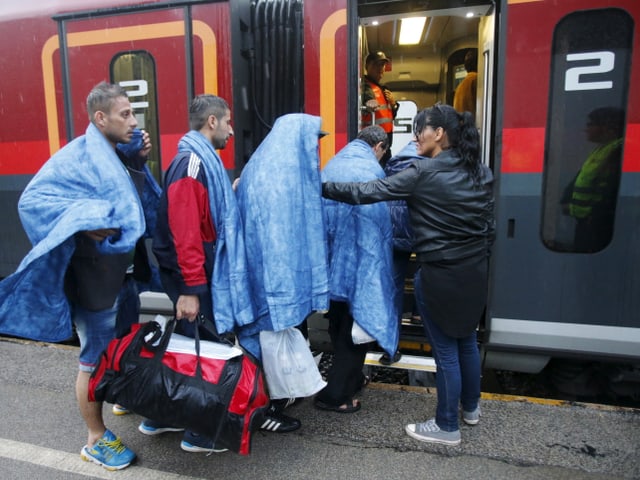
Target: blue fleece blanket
pixel 360 247
pixel 84 186
pixel 230 288
pixel 280 199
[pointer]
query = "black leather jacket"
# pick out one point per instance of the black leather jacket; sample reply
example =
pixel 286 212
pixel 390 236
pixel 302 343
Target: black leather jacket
pixel 452 217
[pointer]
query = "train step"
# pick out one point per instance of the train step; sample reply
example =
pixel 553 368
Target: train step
pixel 406 362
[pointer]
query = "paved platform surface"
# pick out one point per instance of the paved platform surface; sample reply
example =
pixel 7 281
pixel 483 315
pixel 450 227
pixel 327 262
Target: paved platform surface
pixel 41 434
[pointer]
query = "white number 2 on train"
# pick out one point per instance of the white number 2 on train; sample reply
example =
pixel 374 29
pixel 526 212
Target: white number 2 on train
pixel 605 62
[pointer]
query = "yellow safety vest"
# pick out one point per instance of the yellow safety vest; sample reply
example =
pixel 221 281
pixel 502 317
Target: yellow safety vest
pixel 595 181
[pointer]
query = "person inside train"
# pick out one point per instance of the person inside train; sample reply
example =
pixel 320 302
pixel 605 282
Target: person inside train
pixel 379 107
pixel 86 212
pixel 591 197
pixel 359 243
pixel 451 207
pixel 197 201
pixel 464 98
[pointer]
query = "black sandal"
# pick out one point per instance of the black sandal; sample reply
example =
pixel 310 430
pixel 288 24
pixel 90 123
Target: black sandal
pixel 354 407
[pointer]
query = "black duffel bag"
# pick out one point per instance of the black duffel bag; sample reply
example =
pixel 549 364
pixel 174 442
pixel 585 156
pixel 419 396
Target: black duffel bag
pixel 212 388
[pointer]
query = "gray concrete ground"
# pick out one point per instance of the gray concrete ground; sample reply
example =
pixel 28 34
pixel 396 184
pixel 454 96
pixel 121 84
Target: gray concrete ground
pixel 41 434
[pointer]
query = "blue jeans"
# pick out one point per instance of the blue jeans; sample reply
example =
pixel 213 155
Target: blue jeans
pixel 97 328
pixel 458 367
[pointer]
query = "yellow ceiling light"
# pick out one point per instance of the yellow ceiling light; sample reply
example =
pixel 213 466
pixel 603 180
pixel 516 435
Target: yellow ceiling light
pixel 411 30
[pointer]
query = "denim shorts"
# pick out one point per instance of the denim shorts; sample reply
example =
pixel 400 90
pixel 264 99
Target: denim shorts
pixel 96 329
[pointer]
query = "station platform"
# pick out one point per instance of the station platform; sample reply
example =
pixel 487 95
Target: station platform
pixel 41 434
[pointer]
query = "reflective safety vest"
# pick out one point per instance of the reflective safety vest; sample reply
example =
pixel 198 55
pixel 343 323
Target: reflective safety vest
pixel 383 115
pixel 596 182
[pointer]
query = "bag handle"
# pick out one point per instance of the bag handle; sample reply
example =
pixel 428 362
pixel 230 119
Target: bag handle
pixel 157 331
pixel 206 324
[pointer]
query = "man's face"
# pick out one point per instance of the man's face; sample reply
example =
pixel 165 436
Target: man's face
pixel 375 70
pixel 222 131
pixel 118 124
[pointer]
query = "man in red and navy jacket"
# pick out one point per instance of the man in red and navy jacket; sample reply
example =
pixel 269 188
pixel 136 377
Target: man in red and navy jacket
pixel 184 241
pixel 198 196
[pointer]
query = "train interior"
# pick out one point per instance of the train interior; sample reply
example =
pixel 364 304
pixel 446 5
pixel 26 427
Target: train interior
pixel 427 50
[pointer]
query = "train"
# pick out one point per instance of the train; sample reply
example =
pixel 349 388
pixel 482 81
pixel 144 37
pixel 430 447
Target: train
pixel 544 66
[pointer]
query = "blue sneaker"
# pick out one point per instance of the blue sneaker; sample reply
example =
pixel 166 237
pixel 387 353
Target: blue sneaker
pixel 108 452
pixel 193 442
pixel 471 418
pixel 151 427
pixel 430 432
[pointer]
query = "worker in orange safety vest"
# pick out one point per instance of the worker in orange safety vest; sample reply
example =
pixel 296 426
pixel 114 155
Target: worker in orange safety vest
pixel 378 105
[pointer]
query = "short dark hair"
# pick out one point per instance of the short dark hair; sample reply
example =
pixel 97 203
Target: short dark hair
pixel 203 106
pixel 102 97
pixel 372 135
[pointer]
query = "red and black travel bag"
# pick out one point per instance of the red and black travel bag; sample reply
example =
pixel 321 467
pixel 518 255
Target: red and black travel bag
pixel 212 388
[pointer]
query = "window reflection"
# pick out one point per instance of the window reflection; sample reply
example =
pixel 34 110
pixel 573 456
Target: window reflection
pixel 590 198
pixel 585 129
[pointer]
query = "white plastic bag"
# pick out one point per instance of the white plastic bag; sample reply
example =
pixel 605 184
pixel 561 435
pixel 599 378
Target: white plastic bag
pixel 359 336
pixel 288 364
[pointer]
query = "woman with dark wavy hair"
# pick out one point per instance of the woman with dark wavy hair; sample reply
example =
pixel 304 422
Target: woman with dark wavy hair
pixel 450 201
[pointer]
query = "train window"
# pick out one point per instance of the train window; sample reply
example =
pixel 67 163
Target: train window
pixel 590 69
pixel 136 72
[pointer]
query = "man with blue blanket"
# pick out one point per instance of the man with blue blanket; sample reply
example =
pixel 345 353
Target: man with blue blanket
pixel 279 197
pixel 360 272
pixel 86 212
pixel 199 243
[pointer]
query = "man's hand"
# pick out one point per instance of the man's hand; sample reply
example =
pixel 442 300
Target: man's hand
pixel 100 234
pixel 187 306
pixel 389 98
pixel 372 105
pixel 146 144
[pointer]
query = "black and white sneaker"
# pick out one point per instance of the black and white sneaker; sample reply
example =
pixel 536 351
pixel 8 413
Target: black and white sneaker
pixel 278 422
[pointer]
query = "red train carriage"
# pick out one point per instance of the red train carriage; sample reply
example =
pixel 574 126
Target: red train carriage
pixel 545 67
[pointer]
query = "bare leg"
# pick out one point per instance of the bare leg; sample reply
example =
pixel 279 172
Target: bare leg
pixel 91 411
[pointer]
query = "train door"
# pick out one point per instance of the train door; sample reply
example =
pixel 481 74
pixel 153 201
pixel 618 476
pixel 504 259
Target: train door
pixel 419 68
pixel 162 57
pixel 565 263
pixel 418 74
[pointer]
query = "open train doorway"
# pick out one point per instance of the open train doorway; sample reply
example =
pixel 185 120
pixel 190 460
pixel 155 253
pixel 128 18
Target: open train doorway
pixel 426 50
pixel 422 71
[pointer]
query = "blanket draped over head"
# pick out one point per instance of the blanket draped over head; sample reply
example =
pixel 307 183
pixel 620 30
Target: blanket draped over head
pixel 84 186
pixel 280 200
pixel 230 289
pixel 360 248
